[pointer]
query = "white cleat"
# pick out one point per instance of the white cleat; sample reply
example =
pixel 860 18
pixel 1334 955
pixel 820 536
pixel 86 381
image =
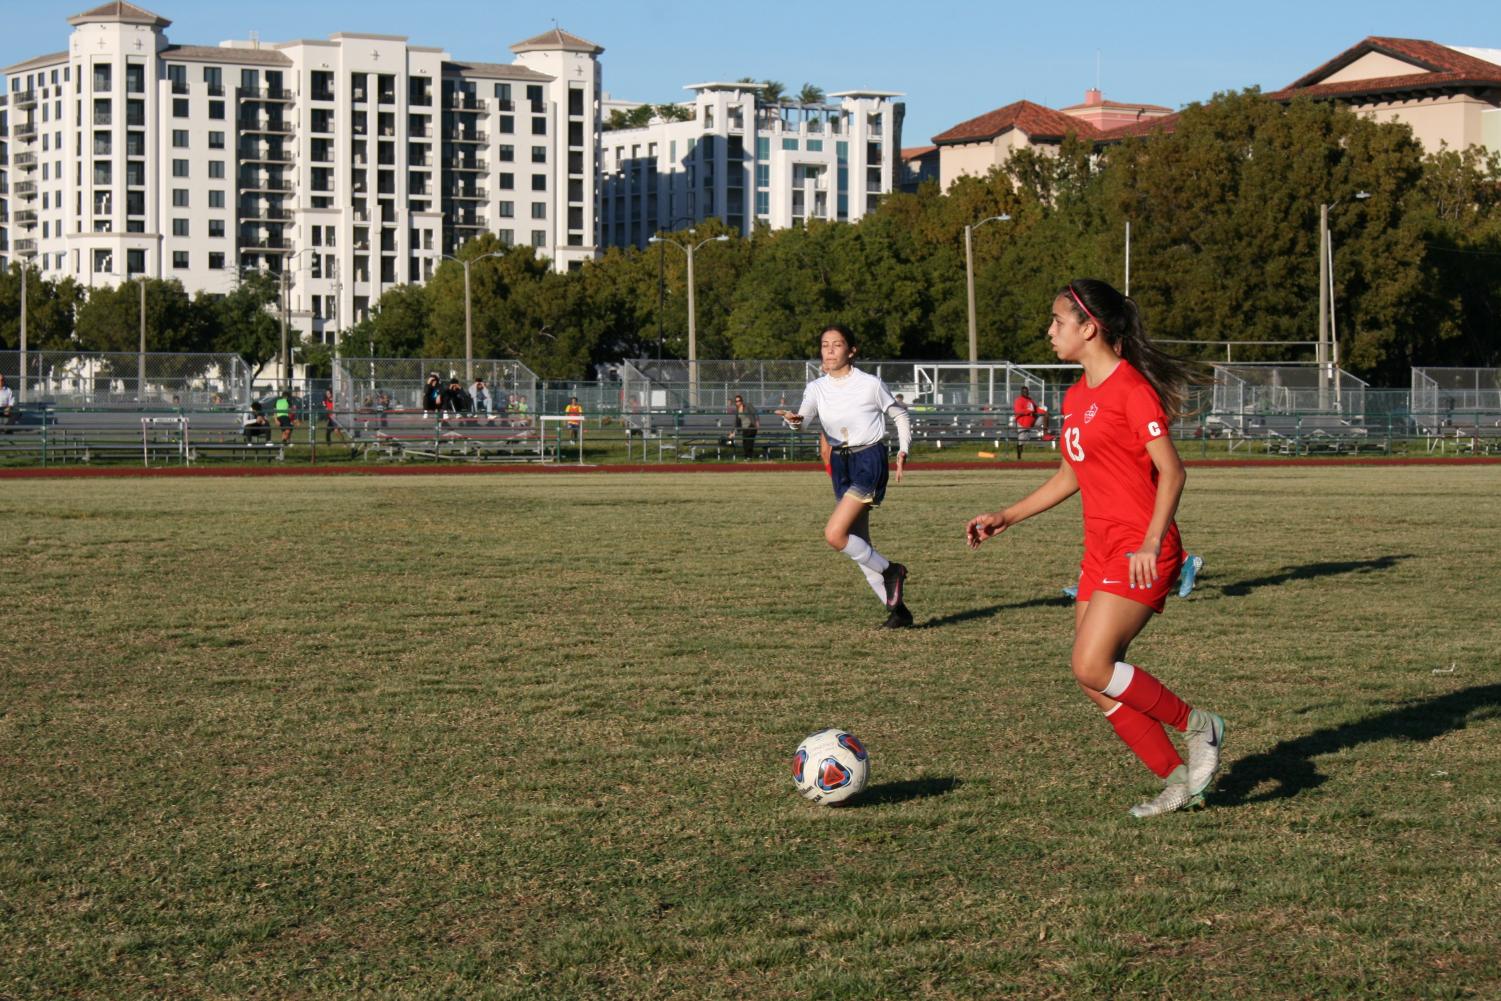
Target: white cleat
pixel 1205 737
pixel 1174 796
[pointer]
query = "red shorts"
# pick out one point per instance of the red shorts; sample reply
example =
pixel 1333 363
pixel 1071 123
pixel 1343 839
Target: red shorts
pixel 1106 563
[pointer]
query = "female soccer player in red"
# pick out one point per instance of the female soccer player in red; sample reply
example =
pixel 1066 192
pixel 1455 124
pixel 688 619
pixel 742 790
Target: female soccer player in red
pixel 851 407
pixel 1117 455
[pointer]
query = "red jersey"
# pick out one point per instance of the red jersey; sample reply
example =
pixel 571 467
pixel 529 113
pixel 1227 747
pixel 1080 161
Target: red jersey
pixel 1025 411
pixel 1105 434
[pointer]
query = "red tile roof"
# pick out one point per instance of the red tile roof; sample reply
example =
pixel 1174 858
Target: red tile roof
pixel 913 152
pixel 1445 68
pixel 557 38
pixel 1034 120
pixel 1162 125
pixel 118 10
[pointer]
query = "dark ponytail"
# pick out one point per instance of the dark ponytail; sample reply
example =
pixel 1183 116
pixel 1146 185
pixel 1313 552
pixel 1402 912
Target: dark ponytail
pixel 1120 322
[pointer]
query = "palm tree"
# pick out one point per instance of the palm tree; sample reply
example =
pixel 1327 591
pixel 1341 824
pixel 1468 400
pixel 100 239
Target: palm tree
pixel 773 92
pixel 810 94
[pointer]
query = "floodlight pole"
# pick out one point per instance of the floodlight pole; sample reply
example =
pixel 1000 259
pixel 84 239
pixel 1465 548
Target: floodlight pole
pixel 690 249
pixel 1322 354
pixel 141 354
pixel 469 310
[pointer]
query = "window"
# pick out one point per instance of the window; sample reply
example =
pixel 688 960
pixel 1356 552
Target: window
pixel 507 209
pixel 216 227
pixel 539 182
pixel 216 109
pixel 507 182
pixel 575 101
pixel 216 140
pixel 507 237
pixel 179 107
pixel 135 144
pixel 214 77
pixel 534 95
pixel 176 72
pixel 539 154
pixel 539 210
pixel 216 169
pixel 216 199
pixel 503 91
pixel 789 144
pixel 180 198
pixel 135 262
pixel 103 78
pixel 179 259
pixel 507 154
pixel 103 171
pixel 180 138
pixel 135 174
pixel 507 124
pixel 179 227
pixel 179 168
pixel 103 144
pixel 103 111
pixel 539 126
pixel 539 238
pixel 216 261
pixel 104 261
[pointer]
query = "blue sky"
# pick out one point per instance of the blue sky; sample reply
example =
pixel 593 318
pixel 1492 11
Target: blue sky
pixel 953 61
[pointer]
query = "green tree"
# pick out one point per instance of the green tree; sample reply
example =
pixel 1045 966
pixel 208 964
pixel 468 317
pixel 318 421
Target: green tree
pixel 810 94
pixel 245 322
pixel 110 319
pixel 50 306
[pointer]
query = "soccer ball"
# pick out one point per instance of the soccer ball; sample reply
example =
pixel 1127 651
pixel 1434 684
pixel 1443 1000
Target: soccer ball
pixel 830 766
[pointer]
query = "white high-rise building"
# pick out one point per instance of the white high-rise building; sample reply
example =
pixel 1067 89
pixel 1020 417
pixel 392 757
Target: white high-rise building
pixel 745 161
pixel 350 163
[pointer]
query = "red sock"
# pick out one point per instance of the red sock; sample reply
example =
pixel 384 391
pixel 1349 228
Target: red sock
pixel 1146 738
pixel 1139 690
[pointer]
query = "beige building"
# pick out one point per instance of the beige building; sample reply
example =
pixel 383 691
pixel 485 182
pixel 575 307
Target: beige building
pixel 977 146
pixel 1450 95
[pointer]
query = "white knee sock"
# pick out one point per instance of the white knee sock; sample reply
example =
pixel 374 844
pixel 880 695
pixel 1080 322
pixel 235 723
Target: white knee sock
pixel 876 581
pixel 865 554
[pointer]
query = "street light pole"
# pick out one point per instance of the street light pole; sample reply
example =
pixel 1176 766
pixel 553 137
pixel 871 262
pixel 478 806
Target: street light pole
pixel 469 310
pixel 141 354
pixel 969 284
pixel 1128 257
pixel 22 388
pixel 690 249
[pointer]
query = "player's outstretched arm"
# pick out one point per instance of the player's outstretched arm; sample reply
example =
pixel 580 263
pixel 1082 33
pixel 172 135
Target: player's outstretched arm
pixel 1058 488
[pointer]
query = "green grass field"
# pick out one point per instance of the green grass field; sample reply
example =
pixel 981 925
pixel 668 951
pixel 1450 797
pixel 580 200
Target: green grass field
pixel 524 736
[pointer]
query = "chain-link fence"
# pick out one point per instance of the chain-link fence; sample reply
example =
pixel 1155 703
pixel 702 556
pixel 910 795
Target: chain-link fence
pixel 107 379
pixel 397 383
pixel 1438 393
pixel 1245 390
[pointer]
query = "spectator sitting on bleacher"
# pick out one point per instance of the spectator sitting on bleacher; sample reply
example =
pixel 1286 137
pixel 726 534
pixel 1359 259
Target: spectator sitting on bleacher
pixel 484 400
pixel 255 425
pixel 456 399
pixel 9 414
pixel 432 395
pixel 1029 413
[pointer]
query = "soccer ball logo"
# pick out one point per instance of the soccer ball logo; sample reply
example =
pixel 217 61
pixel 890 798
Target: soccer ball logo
pixel 830 766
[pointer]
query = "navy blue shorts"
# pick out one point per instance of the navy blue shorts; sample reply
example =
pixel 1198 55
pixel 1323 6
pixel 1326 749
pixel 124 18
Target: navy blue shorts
pixel 861 474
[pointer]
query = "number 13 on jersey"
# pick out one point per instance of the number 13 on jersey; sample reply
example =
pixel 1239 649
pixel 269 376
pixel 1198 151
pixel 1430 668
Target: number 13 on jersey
pixel 1071 444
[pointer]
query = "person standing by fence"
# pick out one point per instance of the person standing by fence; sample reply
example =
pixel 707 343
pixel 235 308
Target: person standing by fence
pixel 747 423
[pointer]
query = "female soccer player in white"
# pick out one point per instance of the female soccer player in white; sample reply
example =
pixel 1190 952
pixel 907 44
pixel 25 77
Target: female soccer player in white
pixel 1118 457
pixel 851 407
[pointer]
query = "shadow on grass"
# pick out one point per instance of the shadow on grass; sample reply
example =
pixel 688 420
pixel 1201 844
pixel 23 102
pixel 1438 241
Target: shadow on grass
pixel 900 792
pixel 1239 589
pixel 994 610
pixel 1289 769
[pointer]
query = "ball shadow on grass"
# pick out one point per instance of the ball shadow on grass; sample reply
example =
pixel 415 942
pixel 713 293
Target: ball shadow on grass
pixel 887 793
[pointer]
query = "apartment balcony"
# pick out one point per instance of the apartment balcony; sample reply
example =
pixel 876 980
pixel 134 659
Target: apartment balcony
pixel 265 184
pixel 267 156
pixel 264 94
pixel 216 90
pixel 261 214
pixel 462 136
pixel 26 248
pixel 465 102
pixel 24 132
pixel 422 133
pixel 471 222
pixel 480 166
pixel 470 195
pixel 25 161
pixel 25 217
pixel 271 245
pixel 25 99
pixel 24 189
pixel 266 126
pixel 179 86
